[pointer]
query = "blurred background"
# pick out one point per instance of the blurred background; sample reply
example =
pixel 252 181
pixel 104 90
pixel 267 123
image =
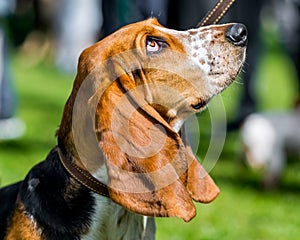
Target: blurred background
pixel 258 170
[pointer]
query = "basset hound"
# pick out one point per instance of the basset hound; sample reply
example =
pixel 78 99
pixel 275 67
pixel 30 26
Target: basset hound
pixel 122 132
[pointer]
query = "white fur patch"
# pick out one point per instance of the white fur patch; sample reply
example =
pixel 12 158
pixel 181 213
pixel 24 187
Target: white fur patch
pixel 178 124
pixel 112 221
pixel 198 52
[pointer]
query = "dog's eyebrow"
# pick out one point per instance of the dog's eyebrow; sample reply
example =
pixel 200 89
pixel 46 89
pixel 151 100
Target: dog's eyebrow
pixel 160 39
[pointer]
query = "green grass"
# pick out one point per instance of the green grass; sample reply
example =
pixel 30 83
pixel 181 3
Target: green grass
pixel 242 211
pixel 42 94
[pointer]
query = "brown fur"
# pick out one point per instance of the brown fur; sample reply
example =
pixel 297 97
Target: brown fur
pixel 22 227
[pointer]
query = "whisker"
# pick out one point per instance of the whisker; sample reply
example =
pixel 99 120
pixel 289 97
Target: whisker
pixel 152 13
pixel 238 80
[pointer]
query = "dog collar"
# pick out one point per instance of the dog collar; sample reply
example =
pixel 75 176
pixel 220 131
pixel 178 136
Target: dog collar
pixel 83 176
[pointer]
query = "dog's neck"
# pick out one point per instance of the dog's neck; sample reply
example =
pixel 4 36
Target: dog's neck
pixel 110 220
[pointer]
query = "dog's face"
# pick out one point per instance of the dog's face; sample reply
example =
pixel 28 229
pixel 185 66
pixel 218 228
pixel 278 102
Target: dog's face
pixel 132 93
pixel 187 68
pixel 178 71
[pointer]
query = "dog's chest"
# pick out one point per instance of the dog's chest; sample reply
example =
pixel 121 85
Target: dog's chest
pixel 111 221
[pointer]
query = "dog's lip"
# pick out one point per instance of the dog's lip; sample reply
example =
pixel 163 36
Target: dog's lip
pixel 200 104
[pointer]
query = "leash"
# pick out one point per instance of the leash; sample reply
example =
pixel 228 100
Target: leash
pixel 215 15
pixel 83 176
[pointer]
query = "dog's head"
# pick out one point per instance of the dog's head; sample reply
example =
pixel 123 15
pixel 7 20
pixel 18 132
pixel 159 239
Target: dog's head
pixel 132 93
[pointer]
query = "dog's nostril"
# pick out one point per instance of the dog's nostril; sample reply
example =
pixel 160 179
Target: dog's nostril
pixel 237 34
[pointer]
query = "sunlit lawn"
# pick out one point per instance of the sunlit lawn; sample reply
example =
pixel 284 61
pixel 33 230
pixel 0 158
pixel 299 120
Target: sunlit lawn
pixel 242 211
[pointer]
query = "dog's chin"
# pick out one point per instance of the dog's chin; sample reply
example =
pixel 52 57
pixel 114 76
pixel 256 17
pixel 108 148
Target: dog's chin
pixel 177 121
pixel 222 82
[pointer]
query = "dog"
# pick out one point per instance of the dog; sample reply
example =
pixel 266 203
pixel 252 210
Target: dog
pixel 267 139
pixel 121 157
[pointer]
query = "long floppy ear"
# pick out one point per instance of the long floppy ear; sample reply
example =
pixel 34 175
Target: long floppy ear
pixel 142 158
pixel 150 170
pixel 200 185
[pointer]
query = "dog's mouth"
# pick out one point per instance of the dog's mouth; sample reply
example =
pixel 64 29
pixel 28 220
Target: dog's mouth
pixel 200 104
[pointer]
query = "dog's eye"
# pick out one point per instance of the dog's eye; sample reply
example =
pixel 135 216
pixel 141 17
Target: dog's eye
pixel 154 45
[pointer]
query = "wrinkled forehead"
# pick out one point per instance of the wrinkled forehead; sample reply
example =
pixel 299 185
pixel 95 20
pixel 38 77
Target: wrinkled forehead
pixel 152 27
pixel 182 41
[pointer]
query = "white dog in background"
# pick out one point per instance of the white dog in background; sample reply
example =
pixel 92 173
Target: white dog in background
pixel 267 138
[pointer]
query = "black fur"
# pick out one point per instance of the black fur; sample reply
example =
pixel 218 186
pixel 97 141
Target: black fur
pixel 8 197
pixel 62 208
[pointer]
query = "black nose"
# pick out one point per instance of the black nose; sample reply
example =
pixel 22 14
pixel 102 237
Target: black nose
pixel 237 34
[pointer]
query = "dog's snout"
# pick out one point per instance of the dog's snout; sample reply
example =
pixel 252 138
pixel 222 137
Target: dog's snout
pixel 237 34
